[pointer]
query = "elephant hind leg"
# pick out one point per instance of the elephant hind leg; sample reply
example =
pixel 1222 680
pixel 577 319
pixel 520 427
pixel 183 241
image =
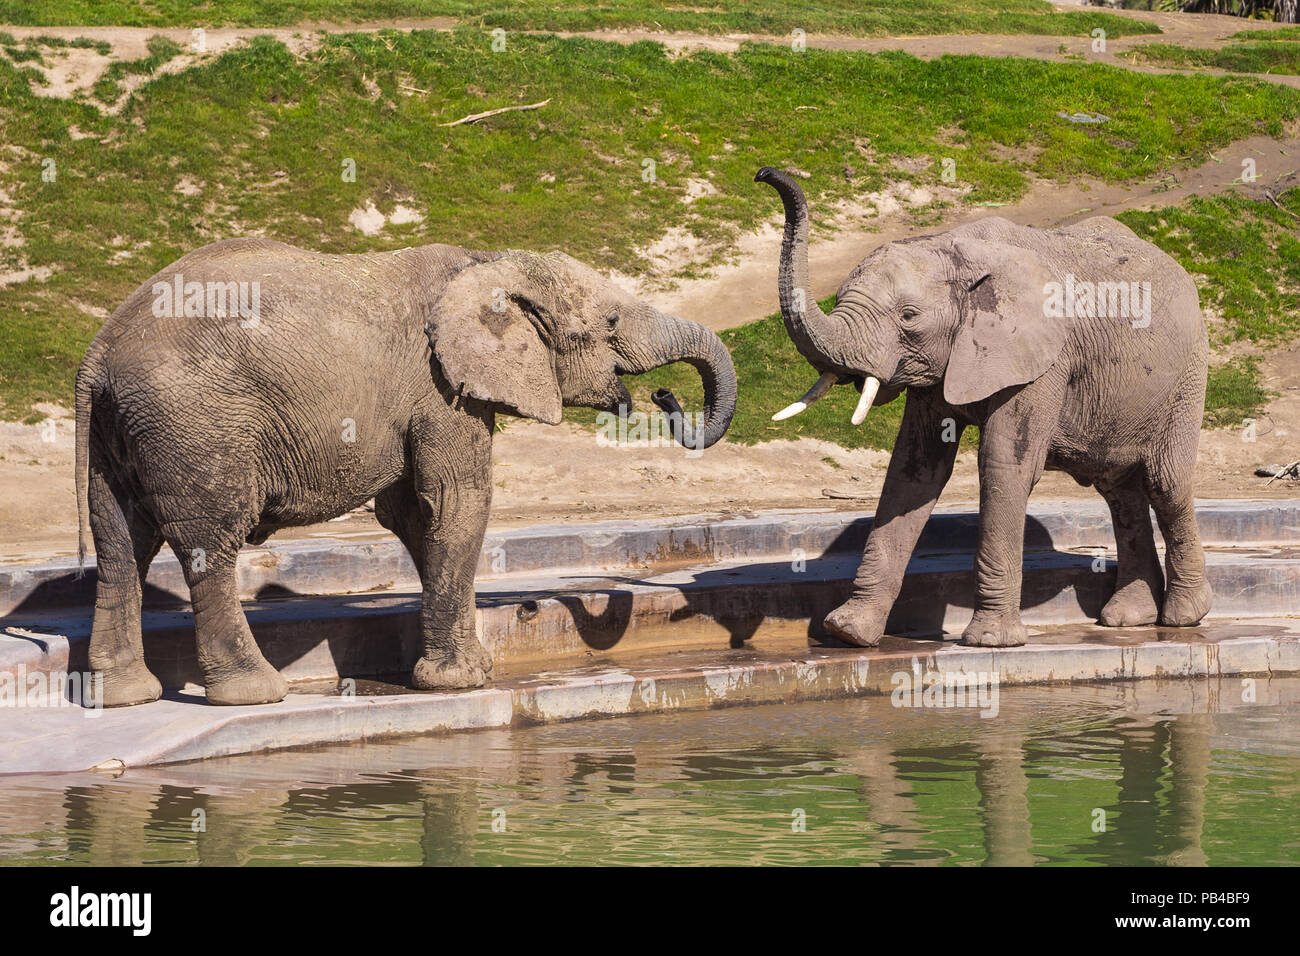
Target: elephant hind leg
pixel 1169 483
pixel 1140 584
pixel 234 670
pixel 126 541
pixel 1187 596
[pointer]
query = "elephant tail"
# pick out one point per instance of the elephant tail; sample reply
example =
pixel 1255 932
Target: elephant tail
pixel 86 386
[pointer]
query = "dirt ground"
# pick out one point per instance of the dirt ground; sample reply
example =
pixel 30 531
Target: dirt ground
pixel 546 474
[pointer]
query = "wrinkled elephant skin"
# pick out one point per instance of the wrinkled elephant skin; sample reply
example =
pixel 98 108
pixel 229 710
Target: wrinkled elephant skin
pixel 252 386
pixel 1079 349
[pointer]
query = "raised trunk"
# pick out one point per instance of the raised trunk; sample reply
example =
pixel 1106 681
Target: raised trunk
pixel 805 322
pixel 669 339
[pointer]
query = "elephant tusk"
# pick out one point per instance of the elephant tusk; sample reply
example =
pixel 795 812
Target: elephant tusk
pixel 818 391
pixel 869 389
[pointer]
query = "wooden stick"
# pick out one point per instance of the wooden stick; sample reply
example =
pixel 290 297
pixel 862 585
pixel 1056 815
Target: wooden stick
pixel 475 117
pixel 1283 473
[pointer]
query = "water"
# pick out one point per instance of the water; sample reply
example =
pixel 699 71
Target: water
pixel 1141 773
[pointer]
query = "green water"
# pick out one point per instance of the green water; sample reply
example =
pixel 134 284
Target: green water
pixel 1145 773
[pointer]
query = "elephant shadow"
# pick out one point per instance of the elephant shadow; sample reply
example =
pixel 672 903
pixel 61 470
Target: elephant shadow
pixel 937 594
pixel 741 600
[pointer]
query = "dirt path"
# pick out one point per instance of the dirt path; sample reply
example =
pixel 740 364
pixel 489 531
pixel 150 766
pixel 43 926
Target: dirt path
pixel 1184 29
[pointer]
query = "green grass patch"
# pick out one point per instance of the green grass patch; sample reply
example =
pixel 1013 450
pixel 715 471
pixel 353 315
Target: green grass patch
pixel 1233 392
pixel 161 49
pixel 1280 34
pixel 255 142
pixel 1245 255
pixel 1264 57
pixel 775 17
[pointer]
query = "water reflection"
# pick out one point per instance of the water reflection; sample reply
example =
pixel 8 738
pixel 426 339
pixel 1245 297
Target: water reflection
pixel 1122 774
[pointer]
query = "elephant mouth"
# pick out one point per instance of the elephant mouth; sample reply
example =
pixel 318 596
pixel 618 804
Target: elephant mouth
pixel 621 402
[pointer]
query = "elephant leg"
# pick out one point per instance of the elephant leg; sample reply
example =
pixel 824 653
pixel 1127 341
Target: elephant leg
pixel 1140 583
pixel 454 501
pixel 918 470
pixel 1187 594
pixel 397 508
pixel 234 670
pixel 1013 451
pixel 126 541
pixel 1169 484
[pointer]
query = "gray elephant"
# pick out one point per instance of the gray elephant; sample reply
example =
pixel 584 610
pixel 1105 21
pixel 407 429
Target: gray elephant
pixel 252 386
pixel 1079 349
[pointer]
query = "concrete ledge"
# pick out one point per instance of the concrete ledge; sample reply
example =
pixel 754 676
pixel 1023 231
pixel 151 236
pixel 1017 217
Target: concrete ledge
pixel 553 620
pixel 183 728
pixel 336 566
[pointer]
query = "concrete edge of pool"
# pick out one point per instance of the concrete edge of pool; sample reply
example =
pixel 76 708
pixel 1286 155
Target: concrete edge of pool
pixel 181 727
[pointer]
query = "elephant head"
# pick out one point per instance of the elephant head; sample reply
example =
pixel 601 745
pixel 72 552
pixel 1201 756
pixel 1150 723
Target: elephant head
pixel 532 333
pixel 963 309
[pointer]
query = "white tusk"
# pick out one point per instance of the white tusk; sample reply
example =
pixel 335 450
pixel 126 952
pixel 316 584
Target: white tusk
pixel 818 391
pixel 869 389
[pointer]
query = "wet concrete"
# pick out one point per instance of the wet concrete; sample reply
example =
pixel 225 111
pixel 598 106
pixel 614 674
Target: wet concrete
pixel 51 737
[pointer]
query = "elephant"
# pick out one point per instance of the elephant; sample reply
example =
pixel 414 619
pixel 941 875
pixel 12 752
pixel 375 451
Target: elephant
pixel 252 386
pixel 1020 332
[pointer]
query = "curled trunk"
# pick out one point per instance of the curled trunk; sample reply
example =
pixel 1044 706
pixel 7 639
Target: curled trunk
pixel 669 339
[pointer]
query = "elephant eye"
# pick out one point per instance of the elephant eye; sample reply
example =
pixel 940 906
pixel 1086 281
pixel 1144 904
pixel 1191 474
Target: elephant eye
pixel 613 319
pixel 910 313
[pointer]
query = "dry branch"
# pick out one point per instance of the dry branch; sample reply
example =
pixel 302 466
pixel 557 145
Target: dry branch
pixel 475 117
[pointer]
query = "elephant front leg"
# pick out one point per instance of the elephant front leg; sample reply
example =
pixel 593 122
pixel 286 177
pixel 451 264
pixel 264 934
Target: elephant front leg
pixel 1013 450
pixel 918 470
pixel 452 656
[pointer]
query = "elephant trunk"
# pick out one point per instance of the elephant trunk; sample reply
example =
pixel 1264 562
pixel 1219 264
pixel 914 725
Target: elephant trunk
pixel 672 339
pixel 805 322
pixel 807 325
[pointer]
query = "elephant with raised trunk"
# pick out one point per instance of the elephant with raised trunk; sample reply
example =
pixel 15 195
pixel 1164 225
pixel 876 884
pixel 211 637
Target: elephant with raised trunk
pixel 292 386
pixel 1079 349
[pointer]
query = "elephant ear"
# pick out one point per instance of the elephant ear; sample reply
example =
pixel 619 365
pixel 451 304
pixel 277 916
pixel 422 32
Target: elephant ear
pixel 487 331
pixel 1005 336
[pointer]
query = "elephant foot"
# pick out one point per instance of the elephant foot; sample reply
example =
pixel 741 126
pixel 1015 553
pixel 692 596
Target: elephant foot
pixel 1185 606
pixel 995 629
pixel 856 623
pixel 456 674
pixel 1130 606
pixel 123 687
pixel 258 683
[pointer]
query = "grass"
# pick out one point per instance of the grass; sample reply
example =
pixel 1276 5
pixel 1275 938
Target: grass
pixel 161 49
pixel 775 17
pixel 1233 392
pixel 253 142
pixel 1281 33
pixel 1263 57
pixel 1245 255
